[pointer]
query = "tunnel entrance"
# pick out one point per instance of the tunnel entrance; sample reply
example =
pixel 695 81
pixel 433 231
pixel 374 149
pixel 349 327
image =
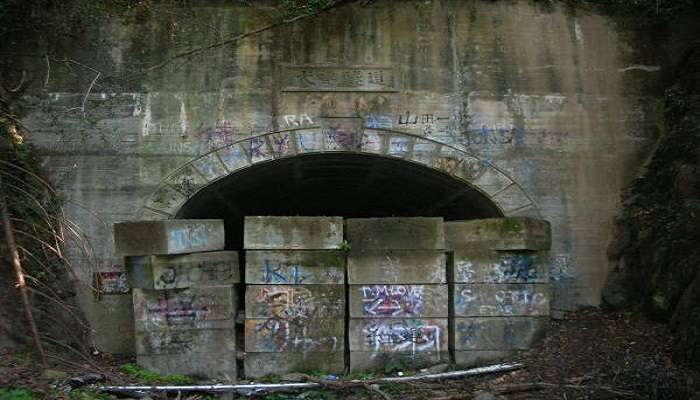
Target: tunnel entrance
pixel 350 185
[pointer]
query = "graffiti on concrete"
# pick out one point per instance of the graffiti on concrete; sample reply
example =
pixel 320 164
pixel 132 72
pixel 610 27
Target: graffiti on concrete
pixel 186 275
pixel 510 268
pixel 276 335
pixel 110 282
pixel 278 274
pixel 338 79
pixel 180 309
pixel 478 300
pixel 296 121
pixel 163 342
pixel 296 319
pixel 402 336
pixel 289 302
pixel 392 300
pixel 188 237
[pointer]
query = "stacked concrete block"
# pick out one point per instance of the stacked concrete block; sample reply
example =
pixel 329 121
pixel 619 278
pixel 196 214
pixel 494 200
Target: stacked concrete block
pixel 498 273
pixel 398 293
pixel 184 304
pixel 295 295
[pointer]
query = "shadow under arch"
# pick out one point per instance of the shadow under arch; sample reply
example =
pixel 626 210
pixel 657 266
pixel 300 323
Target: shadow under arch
pixel 337 184
pixel 312 171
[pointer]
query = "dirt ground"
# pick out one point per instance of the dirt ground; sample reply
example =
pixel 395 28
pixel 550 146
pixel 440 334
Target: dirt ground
pixel 587 355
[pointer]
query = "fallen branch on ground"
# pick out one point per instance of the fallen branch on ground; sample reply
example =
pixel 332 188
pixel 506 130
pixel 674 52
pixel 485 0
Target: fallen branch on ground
pixel 317 383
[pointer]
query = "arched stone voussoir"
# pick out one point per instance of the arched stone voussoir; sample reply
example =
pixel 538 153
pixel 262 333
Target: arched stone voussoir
pixel 179 186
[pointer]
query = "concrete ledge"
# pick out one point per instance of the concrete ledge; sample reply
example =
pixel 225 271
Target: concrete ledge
pixel 396 233
pixel 516 233
pixel 489 266
pixel 498 333
pixel 501 300
pixel 398 301
pixel 362 360
pixel 398 335
pixel 311 233
pixel 295 301
pixel 176 272
pixel 260 364
pixel 295 267
pixel 274 335
pixel 397 266
pixel 183 309
pixel 173 236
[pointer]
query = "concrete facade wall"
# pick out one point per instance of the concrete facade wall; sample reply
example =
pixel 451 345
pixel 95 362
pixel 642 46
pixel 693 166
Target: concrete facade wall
pixel 554 98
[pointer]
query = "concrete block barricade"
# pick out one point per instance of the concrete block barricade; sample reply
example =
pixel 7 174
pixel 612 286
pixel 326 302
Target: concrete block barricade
pixel 186 331
pixel 500 288
pixel 517 233
pixel 398 293
pixel 290 233
pixel 295 267
pixel 396 233
pixel 175 236
pixel 183 271
pixel 295 295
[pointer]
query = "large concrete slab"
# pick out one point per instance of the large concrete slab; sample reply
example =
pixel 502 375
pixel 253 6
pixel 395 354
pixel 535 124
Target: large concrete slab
pixel 501 300
pixel 397 266
pixel 398 335
pixel 174 236
pixel 177 272
pixel 260 364
pixel 282 233
pixel 183 309
pixel 398 301
pixel 294 335
pixel 295 267
pixel 488 266
pixel 417 233
pixel 498 333
pixel 287 302
pixel 389 362
pixel 207 353
pixel 513 233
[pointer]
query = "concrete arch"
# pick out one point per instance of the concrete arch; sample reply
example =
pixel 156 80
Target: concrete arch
pixel 182 184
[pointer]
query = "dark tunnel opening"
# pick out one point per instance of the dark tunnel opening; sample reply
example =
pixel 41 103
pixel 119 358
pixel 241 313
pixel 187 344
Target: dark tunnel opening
pixel 341 184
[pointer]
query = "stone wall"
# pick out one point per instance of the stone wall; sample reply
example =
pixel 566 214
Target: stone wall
pixel 553 99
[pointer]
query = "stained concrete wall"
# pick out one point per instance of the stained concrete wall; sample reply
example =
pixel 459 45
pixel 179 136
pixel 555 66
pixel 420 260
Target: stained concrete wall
pixel 555 97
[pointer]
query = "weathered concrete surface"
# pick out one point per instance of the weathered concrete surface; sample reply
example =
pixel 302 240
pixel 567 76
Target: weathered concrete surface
pixel 501 300
pixel 398 335
pixel 186 331
pixel 486 266
pixel 397 266
pixel 499 234
pixel 398 301
pixel 207 353
pixel 261 364
pixel 294 267
pixel 295 301
pixel 312 233
pixel 168 237
pixel 395 233
pixel 498 333
pixel 115 332
pixel 543 109
pixel 177 272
